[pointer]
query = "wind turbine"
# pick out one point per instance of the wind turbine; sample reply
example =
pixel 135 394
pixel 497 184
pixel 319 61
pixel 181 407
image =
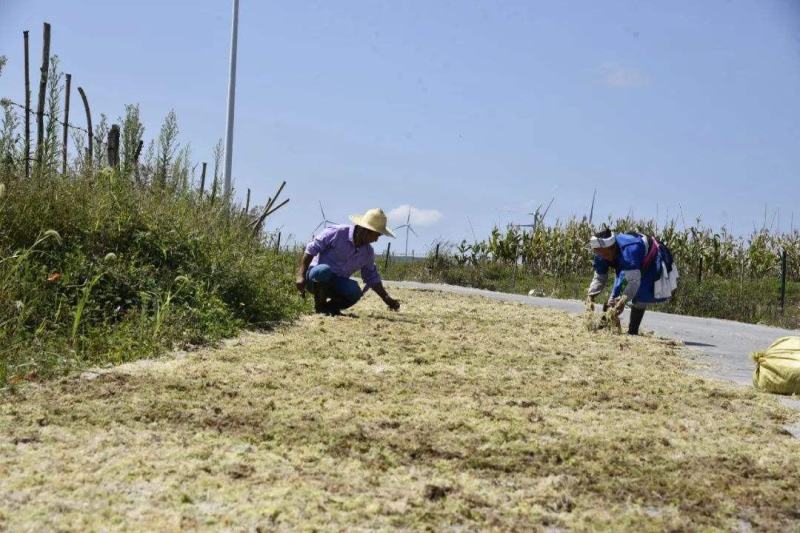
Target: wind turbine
pixel 325 222
pixel 538 217
pixel 474 238
pixel 408 227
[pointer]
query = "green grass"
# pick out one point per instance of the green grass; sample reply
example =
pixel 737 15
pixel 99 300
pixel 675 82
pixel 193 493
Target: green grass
pixel 754 301
pixel 96 270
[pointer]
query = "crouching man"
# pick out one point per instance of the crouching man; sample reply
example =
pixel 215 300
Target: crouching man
pixel 332 257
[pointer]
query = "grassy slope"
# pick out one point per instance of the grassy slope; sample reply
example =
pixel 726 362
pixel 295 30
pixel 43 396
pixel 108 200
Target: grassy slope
pixel 96 270
pixel 455 411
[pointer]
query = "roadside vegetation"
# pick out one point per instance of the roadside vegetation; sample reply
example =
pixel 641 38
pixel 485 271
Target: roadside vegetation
pixel 103 264
pixel 722 276
pixel 456 413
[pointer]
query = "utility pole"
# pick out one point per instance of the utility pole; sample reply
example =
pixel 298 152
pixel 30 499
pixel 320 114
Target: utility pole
pixel 231 98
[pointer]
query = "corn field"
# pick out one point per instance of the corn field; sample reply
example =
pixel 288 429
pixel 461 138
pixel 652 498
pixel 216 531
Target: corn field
pixel 562 249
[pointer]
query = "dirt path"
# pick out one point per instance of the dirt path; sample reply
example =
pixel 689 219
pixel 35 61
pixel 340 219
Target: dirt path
pixel 457 412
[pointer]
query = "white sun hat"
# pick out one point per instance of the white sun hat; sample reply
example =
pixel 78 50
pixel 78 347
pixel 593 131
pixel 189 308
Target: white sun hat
pixel 374 219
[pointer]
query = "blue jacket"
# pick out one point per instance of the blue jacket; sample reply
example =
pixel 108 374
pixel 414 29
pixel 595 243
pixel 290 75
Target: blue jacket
pixel 631 279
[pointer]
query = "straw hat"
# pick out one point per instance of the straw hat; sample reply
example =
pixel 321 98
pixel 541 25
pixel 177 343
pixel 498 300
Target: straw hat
pixel 374 219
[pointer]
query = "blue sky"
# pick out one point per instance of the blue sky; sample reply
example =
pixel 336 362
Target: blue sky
pixel 479 109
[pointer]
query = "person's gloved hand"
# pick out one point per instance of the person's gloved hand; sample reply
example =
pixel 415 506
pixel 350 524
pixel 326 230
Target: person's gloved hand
pixel 617 304
pixel 393 304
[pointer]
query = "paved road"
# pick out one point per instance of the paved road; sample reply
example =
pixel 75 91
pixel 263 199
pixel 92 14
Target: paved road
pixel 724 345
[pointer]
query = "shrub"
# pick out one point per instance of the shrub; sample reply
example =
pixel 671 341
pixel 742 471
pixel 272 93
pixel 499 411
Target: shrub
pixel 96 269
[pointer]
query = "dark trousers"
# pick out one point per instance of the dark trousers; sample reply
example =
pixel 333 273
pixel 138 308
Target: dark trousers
pixel 337 292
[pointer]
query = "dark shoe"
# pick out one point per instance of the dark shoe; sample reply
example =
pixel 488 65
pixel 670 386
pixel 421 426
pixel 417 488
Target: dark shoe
pixel 320 292
pixel 635 321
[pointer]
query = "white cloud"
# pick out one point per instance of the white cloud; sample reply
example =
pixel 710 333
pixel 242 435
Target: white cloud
pixel 419 217
pixel 616 75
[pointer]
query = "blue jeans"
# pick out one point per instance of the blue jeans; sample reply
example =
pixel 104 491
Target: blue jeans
pixel 343 292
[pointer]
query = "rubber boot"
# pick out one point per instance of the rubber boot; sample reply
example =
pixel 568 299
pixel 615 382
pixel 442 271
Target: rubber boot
pixel 325 305
pixel 320 291
pixel 635 321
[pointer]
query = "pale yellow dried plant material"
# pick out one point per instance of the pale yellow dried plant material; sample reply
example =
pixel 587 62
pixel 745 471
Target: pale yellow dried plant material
pixel 590 320
pixel 609 319
pixel 456 413
pixel 612 314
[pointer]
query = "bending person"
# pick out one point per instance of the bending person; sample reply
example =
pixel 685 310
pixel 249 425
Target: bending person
pixel 645 272
pixel 332 257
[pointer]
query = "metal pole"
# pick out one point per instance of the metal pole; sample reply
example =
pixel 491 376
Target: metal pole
pixel 231 98
pixel 386 261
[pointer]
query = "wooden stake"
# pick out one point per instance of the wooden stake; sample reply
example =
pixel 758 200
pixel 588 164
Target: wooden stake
pixel 203 179
pixel 42 94
pixel 89 150
pixel 278 245
pixel 136 155
pixel 247 204
pixel 700 271
pixel 66 125
pixel 514 285
pixel 268 210
pixel 27 108
pixel 113 147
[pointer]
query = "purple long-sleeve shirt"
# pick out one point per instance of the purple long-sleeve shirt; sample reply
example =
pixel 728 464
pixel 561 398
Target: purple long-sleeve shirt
pixel 335 247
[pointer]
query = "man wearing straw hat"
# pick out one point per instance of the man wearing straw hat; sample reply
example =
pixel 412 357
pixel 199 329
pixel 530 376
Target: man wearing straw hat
pixel 331 258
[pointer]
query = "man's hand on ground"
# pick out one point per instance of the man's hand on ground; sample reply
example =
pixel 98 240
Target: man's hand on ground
pixel 393 304
pixel 300 283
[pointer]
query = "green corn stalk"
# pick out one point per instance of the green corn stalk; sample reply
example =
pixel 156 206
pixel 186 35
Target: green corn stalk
pixel 162 309
pixel 87 290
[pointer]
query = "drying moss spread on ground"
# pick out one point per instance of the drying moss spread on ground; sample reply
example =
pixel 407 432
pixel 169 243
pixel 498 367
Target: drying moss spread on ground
pixel 456 412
